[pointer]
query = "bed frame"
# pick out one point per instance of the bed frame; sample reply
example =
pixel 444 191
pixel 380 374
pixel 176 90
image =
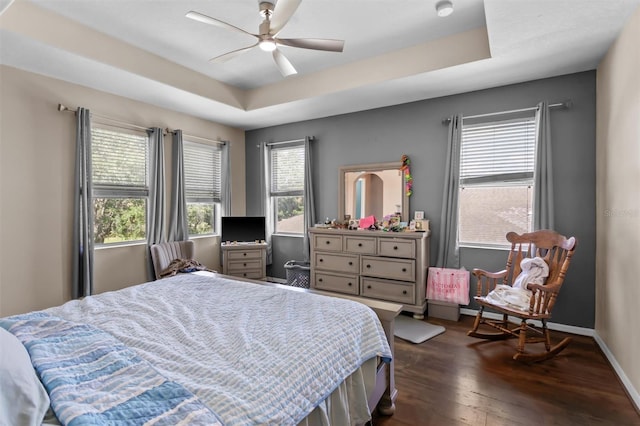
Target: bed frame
pixel 385 393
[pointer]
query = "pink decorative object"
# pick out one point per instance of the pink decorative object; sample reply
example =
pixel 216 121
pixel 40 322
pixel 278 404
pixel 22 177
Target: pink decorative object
pixel 366 222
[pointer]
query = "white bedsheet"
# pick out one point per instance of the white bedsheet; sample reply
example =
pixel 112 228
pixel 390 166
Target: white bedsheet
pixel 219 338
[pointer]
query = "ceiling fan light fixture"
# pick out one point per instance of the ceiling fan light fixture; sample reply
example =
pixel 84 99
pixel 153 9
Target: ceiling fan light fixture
pixel 444 8
pixel 267 45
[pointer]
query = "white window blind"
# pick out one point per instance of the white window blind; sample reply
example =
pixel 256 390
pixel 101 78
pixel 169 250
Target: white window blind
pixel 287 170
pixel 119 162
pixel 497 161
pixel 499 151
pixel 202 172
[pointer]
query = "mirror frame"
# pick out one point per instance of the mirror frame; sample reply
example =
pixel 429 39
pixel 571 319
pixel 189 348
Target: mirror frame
pixel 372 167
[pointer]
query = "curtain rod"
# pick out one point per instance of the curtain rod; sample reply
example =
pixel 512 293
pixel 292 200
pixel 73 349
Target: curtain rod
pixel 63 108
pixel 284 142
pixel 219 142
pixel 560 105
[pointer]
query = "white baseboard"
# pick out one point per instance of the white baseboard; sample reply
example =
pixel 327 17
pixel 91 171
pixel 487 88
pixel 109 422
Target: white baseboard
pixel 581 331
pixel 626 383
pixel 631 390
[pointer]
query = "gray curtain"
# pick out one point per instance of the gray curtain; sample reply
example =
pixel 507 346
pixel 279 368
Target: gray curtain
pixel 309 200
pixel 178 226
pixel 543 174
pixel 155 205
pixel 265 205
pixel 82 272
pixel 226 179
pixel 448 250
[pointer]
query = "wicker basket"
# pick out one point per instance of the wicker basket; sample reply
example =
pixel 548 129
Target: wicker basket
pixel 297 273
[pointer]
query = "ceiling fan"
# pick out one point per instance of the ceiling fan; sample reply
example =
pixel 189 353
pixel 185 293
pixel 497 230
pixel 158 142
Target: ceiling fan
pixel 274 20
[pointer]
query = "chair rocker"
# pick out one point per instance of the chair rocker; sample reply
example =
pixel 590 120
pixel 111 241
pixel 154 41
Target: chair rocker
pixel 556 250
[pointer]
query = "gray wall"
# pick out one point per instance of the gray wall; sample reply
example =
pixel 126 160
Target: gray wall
pixel 416 129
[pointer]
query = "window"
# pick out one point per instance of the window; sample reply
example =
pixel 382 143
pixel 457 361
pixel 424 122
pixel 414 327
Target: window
pixel 120 184
pixel 287 188
pixel 496 181
pixel 203 186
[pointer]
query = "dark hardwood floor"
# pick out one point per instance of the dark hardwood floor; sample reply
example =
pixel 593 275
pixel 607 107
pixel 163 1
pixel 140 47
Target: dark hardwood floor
pixel 453 379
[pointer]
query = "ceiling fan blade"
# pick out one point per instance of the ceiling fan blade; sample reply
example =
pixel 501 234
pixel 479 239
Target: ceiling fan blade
pixel 282 13
pixel 285 67
pixel 313 43
pixel 229 55
pixel 197 16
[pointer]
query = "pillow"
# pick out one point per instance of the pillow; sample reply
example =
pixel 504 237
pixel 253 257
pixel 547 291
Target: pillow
pixel 23 400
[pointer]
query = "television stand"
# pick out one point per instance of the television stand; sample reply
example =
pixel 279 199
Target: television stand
pixel 246 260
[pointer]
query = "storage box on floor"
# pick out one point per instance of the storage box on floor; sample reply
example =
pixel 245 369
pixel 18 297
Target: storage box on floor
pixel 443 310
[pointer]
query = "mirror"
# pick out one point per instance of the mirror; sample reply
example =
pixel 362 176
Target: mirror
pixel 372 189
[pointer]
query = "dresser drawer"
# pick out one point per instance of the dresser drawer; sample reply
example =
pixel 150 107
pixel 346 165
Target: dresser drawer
pixel 244 254
pixel 339 283
pixel 396 248
pixel 255 274
pixel 327 242
pixel 361 245
pixel 240 266
pixel 388 290
pixel 336 262
pixel 384 267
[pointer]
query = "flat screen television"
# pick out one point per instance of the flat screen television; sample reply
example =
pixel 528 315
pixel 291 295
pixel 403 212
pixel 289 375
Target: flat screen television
pixel 242 229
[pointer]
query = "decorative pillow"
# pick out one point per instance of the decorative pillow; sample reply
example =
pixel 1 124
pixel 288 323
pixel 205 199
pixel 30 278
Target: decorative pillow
pixel 23 400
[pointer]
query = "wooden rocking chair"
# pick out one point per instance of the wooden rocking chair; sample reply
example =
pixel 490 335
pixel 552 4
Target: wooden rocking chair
pixel 557 251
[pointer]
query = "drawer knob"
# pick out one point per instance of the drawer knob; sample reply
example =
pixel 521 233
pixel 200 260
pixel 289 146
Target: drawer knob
pixel 321 260
pixel 319 279
pixel 244 254
pixel 244 264
pixel 368 266
pixel 404 291
pixel 350 263
pixel 244 275
pixel 359 244
pixel 404 269
pixel 327 242
pixel 395 247
pixel 349 284
pixel 368 286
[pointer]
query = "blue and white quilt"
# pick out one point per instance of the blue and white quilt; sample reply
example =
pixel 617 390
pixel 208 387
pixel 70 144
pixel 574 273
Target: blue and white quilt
pixel 93 379
pixel 253 354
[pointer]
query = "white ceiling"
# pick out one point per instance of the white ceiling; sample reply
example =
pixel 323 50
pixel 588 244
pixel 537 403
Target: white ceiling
pixel 396 51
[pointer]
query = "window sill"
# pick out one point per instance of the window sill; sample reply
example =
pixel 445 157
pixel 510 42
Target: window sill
pixel 119 245
pixel 485 247
pixel 202 236
pixel 143 243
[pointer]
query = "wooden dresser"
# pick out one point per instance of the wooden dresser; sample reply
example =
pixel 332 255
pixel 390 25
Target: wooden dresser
pixel 247 260
pixel 388 266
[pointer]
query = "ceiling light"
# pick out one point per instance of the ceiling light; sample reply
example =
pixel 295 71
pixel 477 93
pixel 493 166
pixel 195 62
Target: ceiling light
pixel 268 45
pixel 444 8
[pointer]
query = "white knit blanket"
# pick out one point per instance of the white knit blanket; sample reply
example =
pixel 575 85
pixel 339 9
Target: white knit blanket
pixel 534 270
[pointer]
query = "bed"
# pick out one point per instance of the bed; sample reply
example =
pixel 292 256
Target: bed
pixel 202 348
